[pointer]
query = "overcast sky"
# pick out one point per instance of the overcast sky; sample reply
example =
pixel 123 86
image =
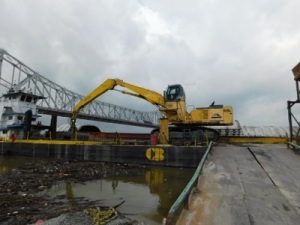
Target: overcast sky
pixel 233 52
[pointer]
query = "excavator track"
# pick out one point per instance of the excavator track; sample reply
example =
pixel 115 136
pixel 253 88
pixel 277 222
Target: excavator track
pixel 191 135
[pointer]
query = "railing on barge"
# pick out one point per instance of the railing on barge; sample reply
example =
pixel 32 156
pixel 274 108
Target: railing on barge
pixel 183 197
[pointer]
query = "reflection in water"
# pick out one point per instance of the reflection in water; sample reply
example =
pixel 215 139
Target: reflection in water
pixel 148 197
pixel 114 184
pixel 8 163
pixel 167 183
pixel 69 191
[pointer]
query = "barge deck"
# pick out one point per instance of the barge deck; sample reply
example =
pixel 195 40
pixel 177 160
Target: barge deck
pixel 246 184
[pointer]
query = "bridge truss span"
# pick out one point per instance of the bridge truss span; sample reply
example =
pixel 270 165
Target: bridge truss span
pixel 61 101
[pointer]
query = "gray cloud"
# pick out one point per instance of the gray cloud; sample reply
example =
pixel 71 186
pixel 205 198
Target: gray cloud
pixel 232 52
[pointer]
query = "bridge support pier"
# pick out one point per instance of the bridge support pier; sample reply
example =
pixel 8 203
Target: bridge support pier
pixel 53 126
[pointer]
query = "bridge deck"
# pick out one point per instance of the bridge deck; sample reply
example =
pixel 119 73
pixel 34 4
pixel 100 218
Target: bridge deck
pixel 247 184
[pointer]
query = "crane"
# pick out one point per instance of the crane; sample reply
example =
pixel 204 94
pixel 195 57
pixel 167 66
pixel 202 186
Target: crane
pixel 172 104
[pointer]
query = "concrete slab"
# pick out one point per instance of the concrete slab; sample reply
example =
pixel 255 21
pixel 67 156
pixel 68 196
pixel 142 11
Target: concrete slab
pixel 235 187
pixel 283 168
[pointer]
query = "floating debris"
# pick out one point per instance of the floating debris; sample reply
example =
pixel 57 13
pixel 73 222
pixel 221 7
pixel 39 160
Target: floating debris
pixel 21 204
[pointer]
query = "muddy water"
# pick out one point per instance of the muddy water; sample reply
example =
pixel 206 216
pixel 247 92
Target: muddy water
pixel 8 163
pixel 146 197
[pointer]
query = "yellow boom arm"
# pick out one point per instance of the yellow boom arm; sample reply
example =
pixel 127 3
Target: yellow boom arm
pixel 150 96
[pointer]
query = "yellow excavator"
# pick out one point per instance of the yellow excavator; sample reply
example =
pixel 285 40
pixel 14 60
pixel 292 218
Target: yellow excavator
pixel 177 124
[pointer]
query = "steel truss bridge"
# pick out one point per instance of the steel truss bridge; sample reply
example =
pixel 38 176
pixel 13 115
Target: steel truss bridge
pixel 60 101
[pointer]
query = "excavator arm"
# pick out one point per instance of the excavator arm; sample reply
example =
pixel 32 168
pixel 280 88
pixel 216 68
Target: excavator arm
pixel 150 96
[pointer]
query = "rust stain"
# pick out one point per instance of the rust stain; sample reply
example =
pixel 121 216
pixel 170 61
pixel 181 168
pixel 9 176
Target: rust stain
pixel 199 212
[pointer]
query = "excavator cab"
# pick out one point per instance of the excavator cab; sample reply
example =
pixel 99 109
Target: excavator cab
pixel 174 93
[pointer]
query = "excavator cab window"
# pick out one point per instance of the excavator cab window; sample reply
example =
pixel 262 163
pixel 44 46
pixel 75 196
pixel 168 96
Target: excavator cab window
pixel 175 93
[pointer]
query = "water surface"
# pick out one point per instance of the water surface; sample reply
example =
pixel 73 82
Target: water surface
pixel 146 197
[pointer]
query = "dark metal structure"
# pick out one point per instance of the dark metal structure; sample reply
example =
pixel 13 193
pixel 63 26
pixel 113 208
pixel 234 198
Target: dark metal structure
pixel 294 134
pixel 60 101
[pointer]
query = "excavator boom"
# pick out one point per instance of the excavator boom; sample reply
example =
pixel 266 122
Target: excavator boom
pixel 150 96
pixel 104 87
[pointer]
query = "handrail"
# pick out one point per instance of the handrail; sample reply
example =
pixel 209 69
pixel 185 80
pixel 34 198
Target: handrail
pixel 182 197
pixel 293 144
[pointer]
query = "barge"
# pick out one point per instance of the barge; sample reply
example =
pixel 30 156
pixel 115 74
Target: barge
pixel 22 133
